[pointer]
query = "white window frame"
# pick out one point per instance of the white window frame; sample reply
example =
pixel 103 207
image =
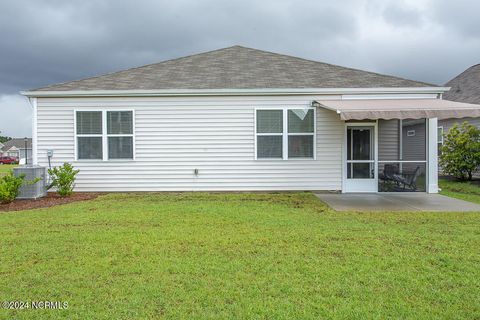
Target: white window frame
pixel 440 136
pixel 285 133
pixel 104 135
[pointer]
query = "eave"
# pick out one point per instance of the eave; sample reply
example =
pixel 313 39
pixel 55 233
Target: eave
pixel 234 92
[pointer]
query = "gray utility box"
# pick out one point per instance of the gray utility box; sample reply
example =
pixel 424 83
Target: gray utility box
pixel 28 190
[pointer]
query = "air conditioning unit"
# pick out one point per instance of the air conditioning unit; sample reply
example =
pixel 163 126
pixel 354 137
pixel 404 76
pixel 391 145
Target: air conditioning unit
pixel 29 190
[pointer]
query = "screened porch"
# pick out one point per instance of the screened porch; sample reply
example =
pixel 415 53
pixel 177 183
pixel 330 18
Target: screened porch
pixel 391 144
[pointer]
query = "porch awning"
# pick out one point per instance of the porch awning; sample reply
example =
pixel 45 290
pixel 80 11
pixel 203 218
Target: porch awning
pixel 399 109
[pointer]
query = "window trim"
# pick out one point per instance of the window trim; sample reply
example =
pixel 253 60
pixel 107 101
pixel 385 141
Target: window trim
pixel 104 134
pixel 285 134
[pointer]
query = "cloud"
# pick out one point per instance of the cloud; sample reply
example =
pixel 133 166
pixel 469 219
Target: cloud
pixel 50 41
pixel 16 116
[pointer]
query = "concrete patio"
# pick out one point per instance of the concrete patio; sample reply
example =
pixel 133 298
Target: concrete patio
pixel 395 202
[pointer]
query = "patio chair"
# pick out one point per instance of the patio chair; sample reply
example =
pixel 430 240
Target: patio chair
pixel 389 172
pixel 408 179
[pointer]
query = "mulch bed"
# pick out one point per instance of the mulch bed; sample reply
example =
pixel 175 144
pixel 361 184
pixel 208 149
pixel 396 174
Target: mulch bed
pixel 52 199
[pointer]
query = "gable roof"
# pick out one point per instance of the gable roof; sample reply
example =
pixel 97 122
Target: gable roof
pixel 236 68
pixel 19 143
pixel 465 86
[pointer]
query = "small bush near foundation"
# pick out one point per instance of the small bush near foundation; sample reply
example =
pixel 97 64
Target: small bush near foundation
pixel 460 153
pixel 63 179
pixel 10 187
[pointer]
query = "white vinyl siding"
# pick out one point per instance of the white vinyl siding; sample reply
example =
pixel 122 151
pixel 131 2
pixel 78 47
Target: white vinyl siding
pixel 176 135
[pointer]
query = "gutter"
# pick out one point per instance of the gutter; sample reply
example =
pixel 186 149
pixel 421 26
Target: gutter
pixel 233 92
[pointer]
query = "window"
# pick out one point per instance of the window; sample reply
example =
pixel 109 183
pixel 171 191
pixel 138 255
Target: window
pixel 120 134
pixel 440 135
pixel 300 133
pixel 103 135
pixel 290 139
pixel 89 135
pixel 270 134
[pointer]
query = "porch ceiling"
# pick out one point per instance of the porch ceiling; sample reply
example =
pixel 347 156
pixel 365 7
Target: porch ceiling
pixel 399 109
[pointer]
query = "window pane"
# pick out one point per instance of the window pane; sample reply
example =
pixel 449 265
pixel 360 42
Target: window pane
pixel 395 177
pixel 300 121
pixel 440 135
pixel 300 146
pixel 89 122
pixel 361 148
pixel 269 121
pixel 119 122
pixel 360 170
pixel 269 147
pixel 389 139
pixel 402 139
pixel 414 146
pixel 120 148
pixel 89 147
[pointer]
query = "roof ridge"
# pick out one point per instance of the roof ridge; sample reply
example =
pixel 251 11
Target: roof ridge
pixel 241 51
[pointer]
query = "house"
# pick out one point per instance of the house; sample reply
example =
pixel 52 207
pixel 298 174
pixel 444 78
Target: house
pixel 464 88
pixel 19 148
pixel 243 119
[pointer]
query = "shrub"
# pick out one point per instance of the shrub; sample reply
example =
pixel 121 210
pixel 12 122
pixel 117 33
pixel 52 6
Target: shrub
pixel 10 187
pixel 460 153
pixel 63 178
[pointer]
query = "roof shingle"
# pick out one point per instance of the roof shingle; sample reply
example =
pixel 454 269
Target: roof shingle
pixel 236 68
pixel 19 143
pixel 465 86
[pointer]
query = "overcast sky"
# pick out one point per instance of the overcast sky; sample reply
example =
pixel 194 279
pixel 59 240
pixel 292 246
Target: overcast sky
pixel 49 41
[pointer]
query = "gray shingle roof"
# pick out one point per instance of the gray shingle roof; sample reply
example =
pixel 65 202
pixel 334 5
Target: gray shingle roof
pixel 465 86
pixel 19 143
pixel 236 68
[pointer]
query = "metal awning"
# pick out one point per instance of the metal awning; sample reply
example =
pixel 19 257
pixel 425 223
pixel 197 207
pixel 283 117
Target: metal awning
pixel 399 109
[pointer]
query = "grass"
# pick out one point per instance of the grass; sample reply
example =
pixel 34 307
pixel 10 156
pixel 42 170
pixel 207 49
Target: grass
pixel 5 168
pixel 469 191
pixel 250 256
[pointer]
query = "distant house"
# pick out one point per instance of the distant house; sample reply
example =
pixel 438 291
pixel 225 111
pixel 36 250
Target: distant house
pixel 243 119
pixel 16 148
pixel 464 88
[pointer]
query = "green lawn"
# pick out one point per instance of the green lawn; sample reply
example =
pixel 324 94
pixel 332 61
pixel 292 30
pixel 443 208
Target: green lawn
pixel 247 256
pixel 5 168
pixel 469 191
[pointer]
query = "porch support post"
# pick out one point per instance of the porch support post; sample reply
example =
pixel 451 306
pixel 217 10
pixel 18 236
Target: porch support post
pixel 432 156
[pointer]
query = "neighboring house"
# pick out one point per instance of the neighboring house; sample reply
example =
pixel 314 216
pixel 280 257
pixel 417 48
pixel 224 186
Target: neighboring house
pixel 243 119
pixel 16 148
pixel 464 88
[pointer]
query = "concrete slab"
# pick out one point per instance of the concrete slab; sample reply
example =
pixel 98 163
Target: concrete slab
pixel 400 201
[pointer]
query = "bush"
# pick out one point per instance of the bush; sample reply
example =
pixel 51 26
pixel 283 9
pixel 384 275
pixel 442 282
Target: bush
pixel 460 153
pixel 10 187
pixel 63 178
